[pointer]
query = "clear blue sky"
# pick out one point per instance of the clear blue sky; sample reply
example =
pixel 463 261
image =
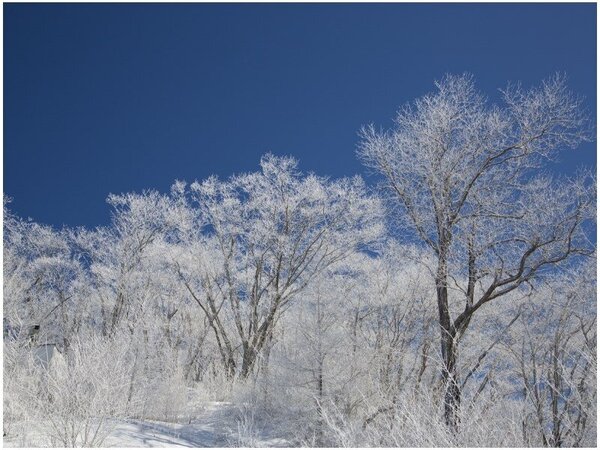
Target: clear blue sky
pixel 103 98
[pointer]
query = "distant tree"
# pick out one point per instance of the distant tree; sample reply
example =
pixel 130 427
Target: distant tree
pixel 554 349
pixel 116 254
pixel 43 283
pixel 468 177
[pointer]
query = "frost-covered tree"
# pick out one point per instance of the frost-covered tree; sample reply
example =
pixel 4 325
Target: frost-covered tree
pixel 553 346
pixel 254 242
pixel 468 179
pixel 118 252
pixel 135 294
pixel 281 294
pixel 44 284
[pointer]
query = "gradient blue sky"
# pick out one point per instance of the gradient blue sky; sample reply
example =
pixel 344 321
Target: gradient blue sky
pixel 102 98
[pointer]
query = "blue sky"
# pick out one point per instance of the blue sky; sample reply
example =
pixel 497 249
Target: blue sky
pixel 102 98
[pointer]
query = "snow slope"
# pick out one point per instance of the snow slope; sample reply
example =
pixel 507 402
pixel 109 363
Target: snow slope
pixel 218 425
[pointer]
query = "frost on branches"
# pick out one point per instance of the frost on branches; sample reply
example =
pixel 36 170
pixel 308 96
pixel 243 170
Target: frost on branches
pixel 453 306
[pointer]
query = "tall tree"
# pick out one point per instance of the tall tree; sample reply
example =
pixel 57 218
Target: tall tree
pixel 469 179
pixel 255 241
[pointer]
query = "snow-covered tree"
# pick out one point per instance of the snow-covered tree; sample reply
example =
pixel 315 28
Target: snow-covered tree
pixel 257 240
pixel 468 179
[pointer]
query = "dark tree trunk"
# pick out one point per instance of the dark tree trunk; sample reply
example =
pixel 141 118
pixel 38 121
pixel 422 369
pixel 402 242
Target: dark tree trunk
pixel 319 430
pixel 452 392
pixel 248 361
pixel 448 345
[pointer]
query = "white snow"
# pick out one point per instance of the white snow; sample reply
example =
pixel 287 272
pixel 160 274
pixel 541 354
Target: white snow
pixel 216 425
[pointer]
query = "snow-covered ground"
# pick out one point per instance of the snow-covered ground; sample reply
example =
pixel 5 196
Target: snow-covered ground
pixel 219 424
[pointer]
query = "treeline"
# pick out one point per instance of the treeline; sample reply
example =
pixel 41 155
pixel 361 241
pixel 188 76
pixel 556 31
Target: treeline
pixel 454 306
